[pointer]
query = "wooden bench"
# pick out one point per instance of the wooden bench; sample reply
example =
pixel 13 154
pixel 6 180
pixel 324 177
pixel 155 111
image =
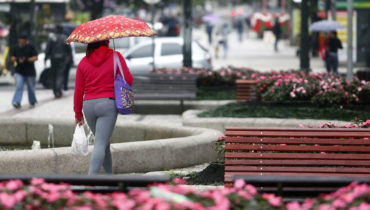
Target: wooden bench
pixel 311 152
pixel 93 183
pixel 245 90
pixel 165 87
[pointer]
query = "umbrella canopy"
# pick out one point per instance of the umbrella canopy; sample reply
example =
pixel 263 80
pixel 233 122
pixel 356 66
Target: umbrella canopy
pixel 325 25
pixel 211 18
pixel 109 27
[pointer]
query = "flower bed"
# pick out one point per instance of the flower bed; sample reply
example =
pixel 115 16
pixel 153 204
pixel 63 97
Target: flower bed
pixel 319 89
pixel 41 195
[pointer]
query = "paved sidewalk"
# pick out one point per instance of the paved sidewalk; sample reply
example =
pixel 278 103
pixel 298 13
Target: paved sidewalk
pixel 50 108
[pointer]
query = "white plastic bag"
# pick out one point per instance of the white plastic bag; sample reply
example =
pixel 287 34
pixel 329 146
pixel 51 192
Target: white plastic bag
pixel 79 143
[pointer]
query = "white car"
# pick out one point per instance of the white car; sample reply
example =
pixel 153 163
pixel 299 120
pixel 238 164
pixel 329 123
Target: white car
pixel 168 54
pixel 79 51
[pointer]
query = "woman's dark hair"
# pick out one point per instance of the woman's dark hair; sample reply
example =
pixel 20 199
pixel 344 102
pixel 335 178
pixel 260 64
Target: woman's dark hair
pixel 92 46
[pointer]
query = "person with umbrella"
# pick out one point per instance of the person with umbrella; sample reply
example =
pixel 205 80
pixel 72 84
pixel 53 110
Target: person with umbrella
pixel 332 44
pixel 94 96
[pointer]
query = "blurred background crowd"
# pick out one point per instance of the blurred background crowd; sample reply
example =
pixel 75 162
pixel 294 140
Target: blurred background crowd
pixel 39 18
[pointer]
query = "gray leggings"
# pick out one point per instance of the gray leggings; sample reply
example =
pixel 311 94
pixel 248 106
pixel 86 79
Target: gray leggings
pixel 101 116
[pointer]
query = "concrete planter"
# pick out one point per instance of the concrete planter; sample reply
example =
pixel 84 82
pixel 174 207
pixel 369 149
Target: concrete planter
pixel 190 118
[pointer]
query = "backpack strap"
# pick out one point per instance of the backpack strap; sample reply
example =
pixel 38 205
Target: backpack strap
pixel 116 62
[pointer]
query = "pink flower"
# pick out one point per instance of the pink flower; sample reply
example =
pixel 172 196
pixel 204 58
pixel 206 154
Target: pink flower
pixel 163 206
pixel 14 185
pixel 239 184
pixel 339 204
pixel 19 195
pixel 300 126
pixel 272 199
pixel 254 75
pixel 325 207
pixel 178 180
pixel 347 125
pixel 251 189
pixel 362 206
pixel 348 198
pixel 244 195
pixel 37 181
pixel 308 203
pixel 52 197
pixel 221 137
pixel 293 206
pixel 359 89
pixel 7 200
pixel 292 94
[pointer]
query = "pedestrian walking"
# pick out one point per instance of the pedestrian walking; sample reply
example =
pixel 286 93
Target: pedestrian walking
pixel 331 56
pixel 59 54
pixel 24 54
pixel 94 99
pixel 223 39
pixel 240 28
pixel 277 32
pixel 209 30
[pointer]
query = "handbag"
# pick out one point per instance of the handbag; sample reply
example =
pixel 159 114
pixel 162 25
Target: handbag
pixel 123 94
pixel 80 146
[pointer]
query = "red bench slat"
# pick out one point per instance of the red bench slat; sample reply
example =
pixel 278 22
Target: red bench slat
pixel 296 169
pixel 269 140
pixel 327 156
pixel 298 162
pixel 301 148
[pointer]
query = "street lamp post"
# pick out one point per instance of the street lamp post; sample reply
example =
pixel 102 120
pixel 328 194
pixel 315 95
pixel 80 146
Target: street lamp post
pixel 349 40
pixel 304 45
pixel 188 20
pixel 152 3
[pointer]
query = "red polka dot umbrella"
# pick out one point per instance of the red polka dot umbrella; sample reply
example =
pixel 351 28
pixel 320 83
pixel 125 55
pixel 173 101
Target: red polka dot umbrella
pixel 110 27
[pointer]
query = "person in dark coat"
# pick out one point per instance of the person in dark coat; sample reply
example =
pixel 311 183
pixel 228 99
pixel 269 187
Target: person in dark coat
pixel 331 55
pixel 24 54
pixel 277 32
pixel 59 54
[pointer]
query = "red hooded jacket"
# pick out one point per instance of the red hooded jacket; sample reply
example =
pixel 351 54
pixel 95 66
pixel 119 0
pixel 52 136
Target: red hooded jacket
pixel 94 77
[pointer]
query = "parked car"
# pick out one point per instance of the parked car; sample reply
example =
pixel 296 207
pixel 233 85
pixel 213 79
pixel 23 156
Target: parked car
pixel 79 51
pixel 167 54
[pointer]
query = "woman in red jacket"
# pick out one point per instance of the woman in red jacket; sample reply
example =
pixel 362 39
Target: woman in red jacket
pixel 94 95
